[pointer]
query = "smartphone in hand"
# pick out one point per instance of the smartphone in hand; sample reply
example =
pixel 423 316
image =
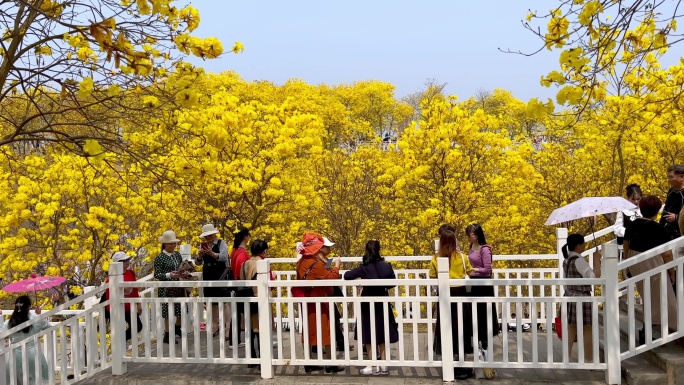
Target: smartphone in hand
pixel 204 246
pixel 329 263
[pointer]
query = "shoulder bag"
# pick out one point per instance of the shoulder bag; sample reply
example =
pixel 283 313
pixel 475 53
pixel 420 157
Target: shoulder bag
pixel 303 291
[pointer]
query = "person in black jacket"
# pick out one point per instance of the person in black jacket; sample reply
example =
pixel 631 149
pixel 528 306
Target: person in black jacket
pixel 374 266
pixel 674 201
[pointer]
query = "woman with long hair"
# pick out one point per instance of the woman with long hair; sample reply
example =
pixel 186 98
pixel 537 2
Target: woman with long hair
pixel 459 268
pixel 20 315
pixel 373 266
pixel 480 257
pixel 238 256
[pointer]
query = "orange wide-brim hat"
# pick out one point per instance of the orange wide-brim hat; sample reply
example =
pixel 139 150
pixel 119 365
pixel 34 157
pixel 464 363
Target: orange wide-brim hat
pixel 311 243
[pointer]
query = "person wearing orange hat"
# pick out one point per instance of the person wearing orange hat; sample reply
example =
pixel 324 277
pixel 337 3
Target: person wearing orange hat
pixel 337 292
pixel 311 266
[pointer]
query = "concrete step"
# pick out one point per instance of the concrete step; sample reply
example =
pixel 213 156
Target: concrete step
pixel 625 335
pixel 670 359
pixel 638 310
pixel 637 370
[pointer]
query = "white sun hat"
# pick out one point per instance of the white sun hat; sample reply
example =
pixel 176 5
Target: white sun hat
pixel 208 229
pixel 120 256
pixel 169 236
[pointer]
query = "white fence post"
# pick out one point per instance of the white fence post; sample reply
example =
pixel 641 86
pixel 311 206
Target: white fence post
pixel 265 319
pixel 611 315
pixel 445 319
pixel 90 302
pixel 117 320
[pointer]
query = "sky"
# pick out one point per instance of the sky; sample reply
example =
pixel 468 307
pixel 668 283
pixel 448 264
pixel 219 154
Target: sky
pixel 402 42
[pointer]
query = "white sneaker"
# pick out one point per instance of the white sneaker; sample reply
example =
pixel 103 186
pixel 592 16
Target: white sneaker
pixel 383 371
pixel 368 371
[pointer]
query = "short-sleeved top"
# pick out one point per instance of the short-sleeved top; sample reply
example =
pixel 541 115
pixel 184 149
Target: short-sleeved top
pixel 645 234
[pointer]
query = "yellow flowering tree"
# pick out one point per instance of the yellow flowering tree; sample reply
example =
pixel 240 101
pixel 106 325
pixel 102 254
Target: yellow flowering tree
pixel 624 109
pixel 63 63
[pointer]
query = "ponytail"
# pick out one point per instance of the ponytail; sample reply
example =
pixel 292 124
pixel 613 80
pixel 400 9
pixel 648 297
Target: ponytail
pixel 574 240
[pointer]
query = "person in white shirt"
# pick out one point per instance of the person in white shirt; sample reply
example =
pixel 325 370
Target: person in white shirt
pixel 625 218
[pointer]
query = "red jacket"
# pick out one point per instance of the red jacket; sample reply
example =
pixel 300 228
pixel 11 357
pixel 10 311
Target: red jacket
pixel 129 276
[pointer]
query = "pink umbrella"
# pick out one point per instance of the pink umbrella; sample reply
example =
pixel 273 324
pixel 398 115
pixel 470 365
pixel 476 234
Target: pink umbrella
pixel 33 284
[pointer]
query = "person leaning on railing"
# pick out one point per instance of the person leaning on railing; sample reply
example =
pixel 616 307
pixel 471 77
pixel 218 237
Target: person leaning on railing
pixel 311 266
pixel 459 267
pixel 374 266
pixel 575 266
pixel 643 235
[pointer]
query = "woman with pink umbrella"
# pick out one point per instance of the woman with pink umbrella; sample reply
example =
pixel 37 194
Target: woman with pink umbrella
pixel 20 315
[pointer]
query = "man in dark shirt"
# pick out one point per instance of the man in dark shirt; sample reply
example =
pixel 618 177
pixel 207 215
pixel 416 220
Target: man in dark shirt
pixel 674 201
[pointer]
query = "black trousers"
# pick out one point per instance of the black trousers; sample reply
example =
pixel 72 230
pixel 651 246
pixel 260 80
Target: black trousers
pixel 339 333
pixel 127 319
pixel 240 309
pixel 129 331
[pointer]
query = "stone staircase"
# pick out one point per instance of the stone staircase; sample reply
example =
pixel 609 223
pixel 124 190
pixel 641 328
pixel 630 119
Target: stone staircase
pixel 662 365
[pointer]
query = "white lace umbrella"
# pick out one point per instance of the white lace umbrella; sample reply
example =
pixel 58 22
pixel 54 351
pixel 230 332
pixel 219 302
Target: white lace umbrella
pixel 589 207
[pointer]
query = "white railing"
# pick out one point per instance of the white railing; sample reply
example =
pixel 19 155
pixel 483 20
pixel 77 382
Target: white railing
pixel 195 347
pixel 532 293
pixel 74 349
pixel 669 326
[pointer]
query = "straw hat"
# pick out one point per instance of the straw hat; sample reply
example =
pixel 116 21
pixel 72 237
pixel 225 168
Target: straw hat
pixel 169 236
pixel 208 229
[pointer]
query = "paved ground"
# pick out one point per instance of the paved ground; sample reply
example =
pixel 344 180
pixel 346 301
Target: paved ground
pixel 200 374
pixel 181 374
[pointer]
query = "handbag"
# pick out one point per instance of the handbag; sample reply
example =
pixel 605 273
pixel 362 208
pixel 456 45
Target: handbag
pixel 224 291
pixel 247 291
pixel 175 292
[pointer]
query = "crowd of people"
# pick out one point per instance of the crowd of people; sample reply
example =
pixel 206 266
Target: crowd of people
pixel 314 264
pixel 637 232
